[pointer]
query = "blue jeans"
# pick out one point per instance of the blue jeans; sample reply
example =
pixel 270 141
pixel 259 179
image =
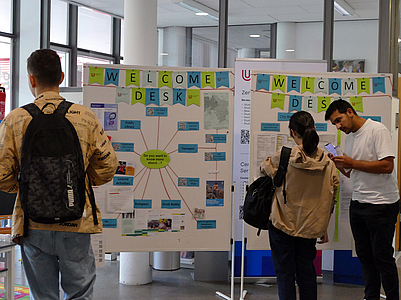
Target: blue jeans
pixel 293 261
pixel 373 227
pixel 46 254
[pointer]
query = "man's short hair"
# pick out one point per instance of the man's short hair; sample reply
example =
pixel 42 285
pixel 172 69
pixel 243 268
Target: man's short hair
pixel 341 106
pixel 45 65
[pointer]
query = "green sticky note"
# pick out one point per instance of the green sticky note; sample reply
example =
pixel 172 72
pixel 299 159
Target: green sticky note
pixel 357 103
pixel 279 83
pixel 166 79
pixel 96 75
pixel 193 97
pixel 323 103
pixel 208 79
pixel 132 77
pixel 138 96
pixel 278 100
pixel 308 85
pixel 363 85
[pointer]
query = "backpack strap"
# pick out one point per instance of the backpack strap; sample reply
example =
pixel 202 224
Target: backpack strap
pixel 282 169
pixel 63 107
pixel 32 109
pixel 92 201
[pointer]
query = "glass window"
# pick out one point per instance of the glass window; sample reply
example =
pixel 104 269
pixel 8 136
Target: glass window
pixel 81 60
pixel 94 30
pixel 58 27
pixel 65 59
pixel 5 19
pixel 205 47
pixel 122 38
pixel 5 74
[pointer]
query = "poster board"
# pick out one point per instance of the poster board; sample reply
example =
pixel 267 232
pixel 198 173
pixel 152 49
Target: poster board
pixel 274 100
pixel 172 131
pixel 242 116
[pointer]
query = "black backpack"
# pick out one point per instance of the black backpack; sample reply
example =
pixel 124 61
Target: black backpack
pixel 52 172
pixel 259 196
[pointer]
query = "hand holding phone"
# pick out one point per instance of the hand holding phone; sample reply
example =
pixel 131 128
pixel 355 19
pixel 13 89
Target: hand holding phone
pixel 335 150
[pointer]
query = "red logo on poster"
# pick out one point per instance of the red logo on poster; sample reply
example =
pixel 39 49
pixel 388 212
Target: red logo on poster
pixel 2 102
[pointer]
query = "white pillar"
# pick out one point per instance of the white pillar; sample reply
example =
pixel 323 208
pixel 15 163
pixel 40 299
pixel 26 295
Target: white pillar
pixel 246 53
pixel 29 42
pixel 286 40
pixel 173 49
pixel 140 48
pixel 140 32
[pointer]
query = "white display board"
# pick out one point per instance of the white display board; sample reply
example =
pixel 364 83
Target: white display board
pixel 172 131
pixel 276 96
pixel 242 116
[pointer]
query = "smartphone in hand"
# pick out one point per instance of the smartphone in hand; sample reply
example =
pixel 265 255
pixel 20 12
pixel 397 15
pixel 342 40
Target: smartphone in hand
pixel 335 150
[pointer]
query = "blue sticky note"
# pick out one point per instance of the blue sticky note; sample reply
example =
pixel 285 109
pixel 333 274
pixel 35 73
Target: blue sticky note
pixel 321 126
pixel 130 124
pixel 270 127
pixel 123 147
pixel 295 103
pixel 187 148
pixel 284 116
pixel 216 138
pixel 222 79
pixel 111 76
pixel 156 111
pixel 194 79
pixel 141 203
pixel 171 204
pixel 374 118
pixel 335 86
pixel 263 82
pixel 123 181
pixel 215 156
pixel 206 224
pixel 294 83
pixel 109 223
pixel 179 96
pixel 214 202
pixel 378 85
pixel 152 96
pixel 190 182
pixel 188 126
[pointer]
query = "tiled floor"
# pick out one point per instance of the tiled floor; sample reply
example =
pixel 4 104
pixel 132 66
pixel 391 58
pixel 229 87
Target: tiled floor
pixel 179 285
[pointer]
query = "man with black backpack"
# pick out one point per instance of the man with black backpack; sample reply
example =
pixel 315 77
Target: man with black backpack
pixel 52 152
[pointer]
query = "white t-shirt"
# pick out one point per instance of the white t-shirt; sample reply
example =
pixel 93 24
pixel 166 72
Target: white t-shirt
pixel 372 142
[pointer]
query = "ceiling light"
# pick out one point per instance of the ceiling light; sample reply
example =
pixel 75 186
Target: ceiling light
pixel 201 14
pixel 163 54
pixel 290 50
pixel 254 35
pixel 198 8
pixel 343 8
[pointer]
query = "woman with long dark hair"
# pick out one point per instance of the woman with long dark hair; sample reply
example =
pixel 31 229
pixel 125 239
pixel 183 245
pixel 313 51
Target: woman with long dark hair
pixel 299 220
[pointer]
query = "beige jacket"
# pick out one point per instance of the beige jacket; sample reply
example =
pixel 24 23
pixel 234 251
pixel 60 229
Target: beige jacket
pixel 99 159
pixel 311 186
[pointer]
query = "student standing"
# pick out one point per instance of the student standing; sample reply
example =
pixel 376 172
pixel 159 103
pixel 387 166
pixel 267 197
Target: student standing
pixel 48 250
pixel 369 161
pixel 301 217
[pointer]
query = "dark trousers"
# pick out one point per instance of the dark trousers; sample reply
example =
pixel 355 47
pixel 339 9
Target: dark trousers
pixel 373 227
pixel 293 261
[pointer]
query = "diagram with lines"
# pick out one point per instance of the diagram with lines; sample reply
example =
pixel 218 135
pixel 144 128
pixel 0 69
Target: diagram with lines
pixel 173 138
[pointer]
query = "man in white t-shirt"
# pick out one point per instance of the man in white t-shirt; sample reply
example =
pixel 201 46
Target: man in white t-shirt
pixel 369 161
